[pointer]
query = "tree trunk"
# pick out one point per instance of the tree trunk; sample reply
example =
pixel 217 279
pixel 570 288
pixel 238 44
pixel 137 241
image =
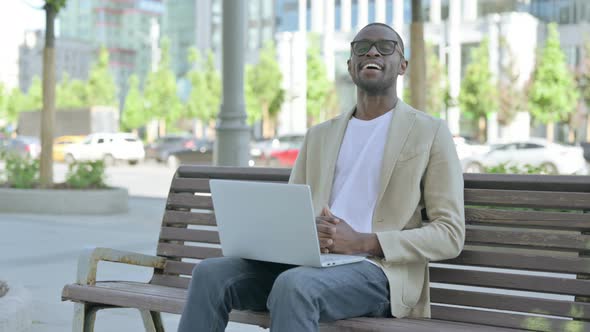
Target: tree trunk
pixel 418 60
pixel 48 113
pixel 550 131
pixel 481 126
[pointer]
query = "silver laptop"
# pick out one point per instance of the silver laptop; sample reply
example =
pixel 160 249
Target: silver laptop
pixel 271 222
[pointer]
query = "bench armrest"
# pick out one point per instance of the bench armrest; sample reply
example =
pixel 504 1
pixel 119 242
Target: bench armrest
pixel 88 262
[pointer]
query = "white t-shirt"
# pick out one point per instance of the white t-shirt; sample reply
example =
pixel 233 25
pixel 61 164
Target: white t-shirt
pixel 356 178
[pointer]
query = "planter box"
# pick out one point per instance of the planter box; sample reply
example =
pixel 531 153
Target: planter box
pixel 61 201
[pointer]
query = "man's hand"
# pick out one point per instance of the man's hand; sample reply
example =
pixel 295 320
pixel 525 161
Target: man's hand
pixel 336 236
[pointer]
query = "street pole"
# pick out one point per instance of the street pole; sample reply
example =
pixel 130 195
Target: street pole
pixel 233 135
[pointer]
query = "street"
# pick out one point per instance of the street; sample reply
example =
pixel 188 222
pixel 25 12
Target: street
pixel 40 251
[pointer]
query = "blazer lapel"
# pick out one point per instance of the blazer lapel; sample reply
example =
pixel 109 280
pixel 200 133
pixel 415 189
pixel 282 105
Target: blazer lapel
pixel 333 142
pixel 402 122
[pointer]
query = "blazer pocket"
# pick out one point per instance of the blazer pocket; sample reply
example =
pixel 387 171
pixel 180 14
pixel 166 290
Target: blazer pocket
pixel 413 284
pixel 413 154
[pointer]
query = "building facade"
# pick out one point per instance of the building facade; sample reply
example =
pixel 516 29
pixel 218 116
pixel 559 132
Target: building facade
pixel 72 57
pixel 129 30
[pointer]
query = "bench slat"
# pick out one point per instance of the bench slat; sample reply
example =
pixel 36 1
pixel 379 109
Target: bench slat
pixel 527 199
pixel 530 182
pixel 170 281
pixel 510 302
pixel 235 173
pixel 189 201
pixel 574 265
pixel 190 185
pixel 184 251
pixel 174 267
pixel 193 235
pixel 541 219
pixel 511 281
pixel 189 218
pixel 528 238
pixel 533 323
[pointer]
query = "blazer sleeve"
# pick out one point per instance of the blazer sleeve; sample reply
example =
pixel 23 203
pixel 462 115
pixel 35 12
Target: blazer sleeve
pixel 444 236
pixel 298 173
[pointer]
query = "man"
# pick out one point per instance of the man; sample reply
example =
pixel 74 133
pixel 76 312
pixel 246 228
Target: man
pixel 377 167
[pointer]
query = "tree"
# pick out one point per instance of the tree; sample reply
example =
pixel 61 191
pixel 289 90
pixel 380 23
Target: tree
pixel 511 97
pixel 264 80
pixel 478 94
pixel 51 7
pixel 205 95
pixel 34 97
pixel 101 85
pixel 583 81
pixel 437 84
pixel 71 93
pixel 16 102
pixel 133 111
pixel 418 68
pixel 553 95
pixel 318 84
pixel 160 92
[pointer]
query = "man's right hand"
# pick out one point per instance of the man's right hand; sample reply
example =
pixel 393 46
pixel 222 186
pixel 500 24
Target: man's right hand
pixel 325 229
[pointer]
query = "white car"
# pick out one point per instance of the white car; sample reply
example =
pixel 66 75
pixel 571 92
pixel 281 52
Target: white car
pixel 109 147
pixel 467 149
pixel 537 152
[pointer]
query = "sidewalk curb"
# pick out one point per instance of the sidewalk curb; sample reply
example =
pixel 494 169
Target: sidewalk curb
pixel 16 310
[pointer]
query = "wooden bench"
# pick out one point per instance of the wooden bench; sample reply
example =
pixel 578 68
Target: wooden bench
pixel 525 264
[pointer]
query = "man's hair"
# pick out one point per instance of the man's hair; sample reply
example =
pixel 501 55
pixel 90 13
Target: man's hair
pixel 401 41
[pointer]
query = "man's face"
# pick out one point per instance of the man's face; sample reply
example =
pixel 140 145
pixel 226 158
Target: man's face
pixel 373 72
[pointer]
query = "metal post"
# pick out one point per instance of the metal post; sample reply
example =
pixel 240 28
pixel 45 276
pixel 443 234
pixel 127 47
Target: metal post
pixel 233 135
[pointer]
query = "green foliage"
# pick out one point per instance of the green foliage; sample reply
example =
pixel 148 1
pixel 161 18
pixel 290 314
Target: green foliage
pixel 437 84
pixel 507 168
pixel 21 173
pixel 101 84
pixel 512 99
pixel 478 95
pixel 318 85
pixel 583 76
pixel 264 80
pixel 71 93
pixel 86 174
pixel 56 4
pixel 160 92
pixel 552 96
pixel 205 96
pixel 34 97
pixel 133 111
pixel 16 102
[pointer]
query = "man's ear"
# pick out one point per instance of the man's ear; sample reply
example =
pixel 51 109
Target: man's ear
pixel 403 66
pixel 348 65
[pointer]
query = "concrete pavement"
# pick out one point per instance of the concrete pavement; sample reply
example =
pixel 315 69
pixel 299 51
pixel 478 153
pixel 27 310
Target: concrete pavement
pixel 40 252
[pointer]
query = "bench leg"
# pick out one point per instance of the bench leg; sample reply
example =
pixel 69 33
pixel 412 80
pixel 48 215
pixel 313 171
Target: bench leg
pixel 152 320
pixel 84 317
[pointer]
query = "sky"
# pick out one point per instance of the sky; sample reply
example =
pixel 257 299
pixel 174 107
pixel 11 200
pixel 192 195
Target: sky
pixel 16 17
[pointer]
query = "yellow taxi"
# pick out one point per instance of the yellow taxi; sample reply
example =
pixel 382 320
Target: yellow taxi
pixel 61 142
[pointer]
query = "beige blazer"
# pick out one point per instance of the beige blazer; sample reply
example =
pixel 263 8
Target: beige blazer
pixel 420 170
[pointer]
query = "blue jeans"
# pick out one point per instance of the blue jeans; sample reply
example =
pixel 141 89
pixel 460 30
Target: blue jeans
pixel 298 298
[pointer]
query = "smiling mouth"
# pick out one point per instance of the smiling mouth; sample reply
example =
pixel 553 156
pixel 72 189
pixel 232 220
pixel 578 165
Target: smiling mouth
pixel 371 66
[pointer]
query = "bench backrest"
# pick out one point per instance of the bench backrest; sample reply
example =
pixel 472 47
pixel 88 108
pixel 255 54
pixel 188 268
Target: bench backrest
pixel 526 261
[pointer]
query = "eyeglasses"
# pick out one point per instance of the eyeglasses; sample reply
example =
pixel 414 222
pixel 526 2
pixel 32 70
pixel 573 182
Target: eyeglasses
pixel 384 46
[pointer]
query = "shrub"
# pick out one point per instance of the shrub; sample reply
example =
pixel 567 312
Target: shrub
pixel 86 174
pixel 505 168
pixel 21 172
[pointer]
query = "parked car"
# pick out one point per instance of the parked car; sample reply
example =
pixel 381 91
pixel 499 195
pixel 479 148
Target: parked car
pixel 467 148
pixel 552 157
pixel 281 151
pixel 23 146
pixel 200 152
pixel 163 146
pixel 60 143
pixel 109 147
